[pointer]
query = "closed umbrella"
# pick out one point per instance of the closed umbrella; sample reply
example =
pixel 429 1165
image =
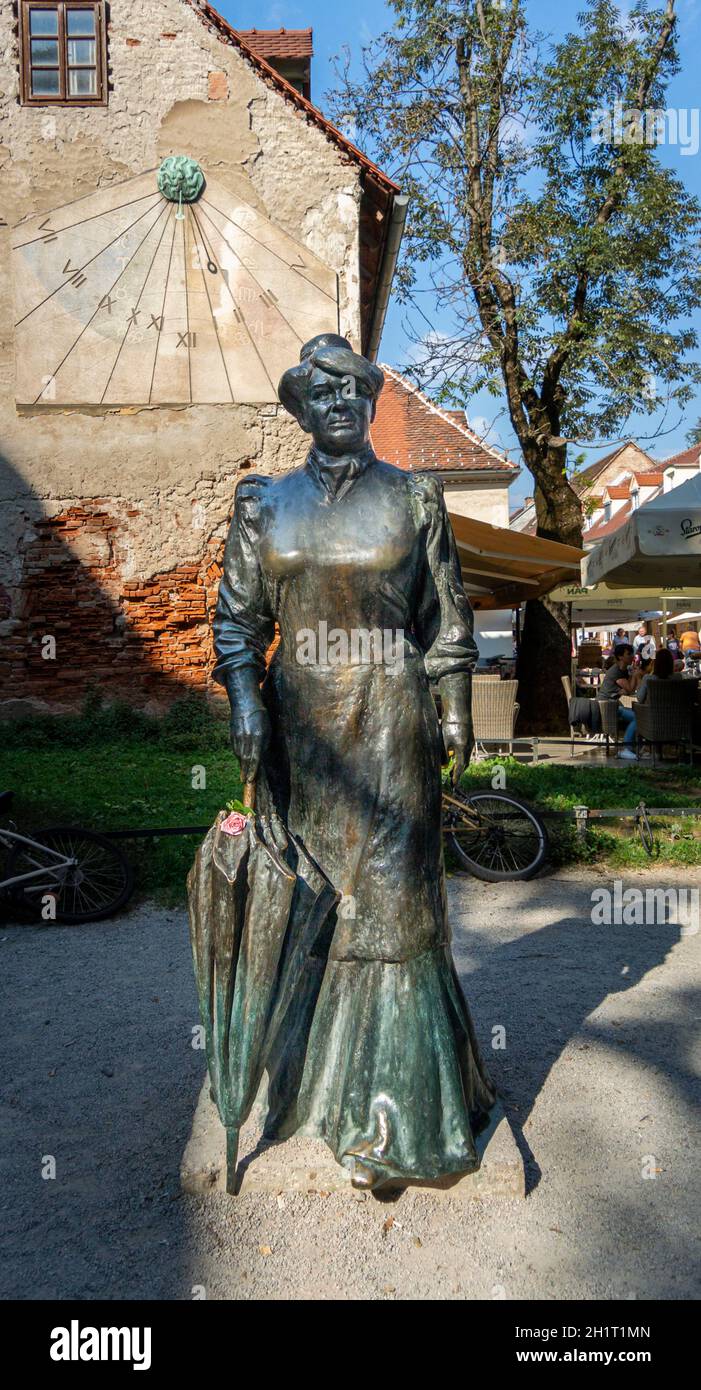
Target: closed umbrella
pixel 258 905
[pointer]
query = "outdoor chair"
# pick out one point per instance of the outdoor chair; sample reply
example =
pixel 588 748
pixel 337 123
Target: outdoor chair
pixel 608 710
pixel 494 712
pixel 481 676
pixel 567 687
pixel 667 715
pixel 584 726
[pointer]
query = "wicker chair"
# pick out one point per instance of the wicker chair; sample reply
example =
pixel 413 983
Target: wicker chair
pixel 494 712
pixel 608 710
pixel 567 687
pixel 667 715
pixel 481 676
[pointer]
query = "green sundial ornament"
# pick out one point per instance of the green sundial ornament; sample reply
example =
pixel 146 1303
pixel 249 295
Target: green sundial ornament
pixel 180 179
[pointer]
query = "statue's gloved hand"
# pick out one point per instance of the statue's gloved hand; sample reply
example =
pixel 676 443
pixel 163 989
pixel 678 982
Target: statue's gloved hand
pixel 250 736
pixel 456 722
pixel 458 740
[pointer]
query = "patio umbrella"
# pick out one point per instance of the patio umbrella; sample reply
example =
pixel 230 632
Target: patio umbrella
pixel 659 544
pixel 258 905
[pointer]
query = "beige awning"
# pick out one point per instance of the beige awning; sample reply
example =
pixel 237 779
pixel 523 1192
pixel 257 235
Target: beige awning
pixel 502 568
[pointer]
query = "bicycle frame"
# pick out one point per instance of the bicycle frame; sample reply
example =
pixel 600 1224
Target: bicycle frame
pixel 461 805
pixel 8 838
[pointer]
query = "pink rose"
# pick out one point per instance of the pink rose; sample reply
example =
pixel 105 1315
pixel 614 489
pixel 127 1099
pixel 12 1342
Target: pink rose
pixel 235 824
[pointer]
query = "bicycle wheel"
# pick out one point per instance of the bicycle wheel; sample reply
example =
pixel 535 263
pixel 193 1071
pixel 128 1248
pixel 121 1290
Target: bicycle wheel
pixel 495 836
pixel 99 883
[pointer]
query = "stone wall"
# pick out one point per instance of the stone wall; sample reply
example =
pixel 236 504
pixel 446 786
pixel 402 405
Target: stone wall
pixel 113 521
pixel 482 501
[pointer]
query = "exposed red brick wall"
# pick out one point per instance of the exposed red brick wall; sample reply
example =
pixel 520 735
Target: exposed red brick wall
pixel 148 641
pixel 145 640
pixel 218 86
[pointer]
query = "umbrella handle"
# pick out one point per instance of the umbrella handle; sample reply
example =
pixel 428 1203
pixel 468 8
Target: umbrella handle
pixel 249 795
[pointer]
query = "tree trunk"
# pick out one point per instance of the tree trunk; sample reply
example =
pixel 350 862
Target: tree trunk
pixel 544 658
pixel 545 650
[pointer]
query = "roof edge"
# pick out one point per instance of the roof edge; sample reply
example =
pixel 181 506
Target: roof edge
pixel 455 424
pixel 227 34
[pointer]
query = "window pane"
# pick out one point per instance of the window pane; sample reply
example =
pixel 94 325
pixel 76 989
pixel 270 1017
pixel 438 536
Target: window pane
pixel 82 82
pixel 80 22
pixel 43 21
pixel 45 51
pixel 45 82
pixel 81 51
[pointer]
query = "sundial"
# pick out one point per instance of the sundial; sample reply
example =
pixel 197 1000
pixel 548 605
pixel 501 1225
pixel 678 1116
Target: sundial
pixel 165 289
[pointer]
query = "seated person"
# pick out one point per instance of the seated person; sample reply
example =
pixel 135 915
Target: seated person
pixel 663 670
pixel 690 642
pixel 673 642
pixel 644 644
pixel 621 680
pixel 640 671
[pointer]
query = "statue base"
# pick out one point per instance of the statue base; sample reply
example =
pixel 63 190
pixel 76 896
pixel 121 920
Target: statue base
pixel 307 1165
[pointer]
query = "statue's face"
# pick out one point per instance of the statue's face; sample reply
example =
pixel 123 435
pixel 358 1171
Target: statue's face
pixel 338 412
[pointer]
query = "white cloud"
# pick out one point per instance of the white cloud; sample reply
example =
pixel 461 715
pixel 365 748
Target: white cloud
pixel 486 429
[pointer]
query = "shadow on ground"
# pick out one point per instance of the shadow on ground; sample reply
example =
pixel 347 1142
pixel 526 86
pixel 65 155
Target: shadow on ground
pixel 100 1074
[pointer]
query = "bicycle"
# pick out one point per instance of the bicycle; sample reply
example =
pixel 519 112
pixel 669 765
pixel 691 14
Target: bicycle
pixel 644 829
pixel 63 875
pixel 494 836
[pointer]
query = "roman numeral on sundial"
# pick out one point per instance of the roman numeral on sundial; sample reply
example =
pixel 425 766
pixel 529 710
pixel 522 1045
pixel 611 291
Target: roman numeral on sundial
pixel 49 233
pixel 75 275
pixel 187 340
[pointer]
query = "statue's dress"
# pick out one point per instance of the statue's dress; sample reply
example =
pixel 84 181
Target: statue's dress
pixel 379 1056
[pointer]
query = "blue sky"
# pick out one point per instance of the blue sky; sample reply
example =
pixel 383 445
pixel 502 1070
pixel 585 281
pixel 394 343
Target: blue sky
pixel 354 25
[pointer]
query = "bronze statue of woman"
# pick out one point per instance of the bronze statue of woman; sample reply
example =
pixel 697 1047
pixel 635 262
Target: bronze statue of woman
pixel 378 1055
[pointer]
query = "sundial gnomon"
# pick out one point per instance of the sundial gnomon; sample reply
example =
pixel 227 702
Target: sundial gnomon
pixel 128 297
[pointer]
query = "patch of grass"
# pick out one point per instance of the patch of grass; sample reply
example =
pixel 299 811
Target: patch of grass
pixel 113 768
pixel 99 723
pixel 125 783
pixel 560 787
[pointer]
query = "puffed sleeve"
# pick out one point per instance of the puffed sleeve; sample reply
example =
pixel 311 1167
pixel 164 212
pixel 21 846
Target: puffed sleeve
pixel 243 623
pixel 443 620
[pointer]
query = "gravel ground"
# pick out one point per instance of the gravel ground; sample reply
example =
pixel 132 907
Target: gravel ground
pixel 597 1078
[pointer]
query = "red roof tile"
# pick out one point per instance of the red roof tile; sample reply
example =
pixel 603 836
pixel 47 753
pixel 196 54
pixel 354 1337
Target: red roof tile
pixel 278 43
pixel 649 479
pixel 688 458
pixel 412 432
pixel 618 491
